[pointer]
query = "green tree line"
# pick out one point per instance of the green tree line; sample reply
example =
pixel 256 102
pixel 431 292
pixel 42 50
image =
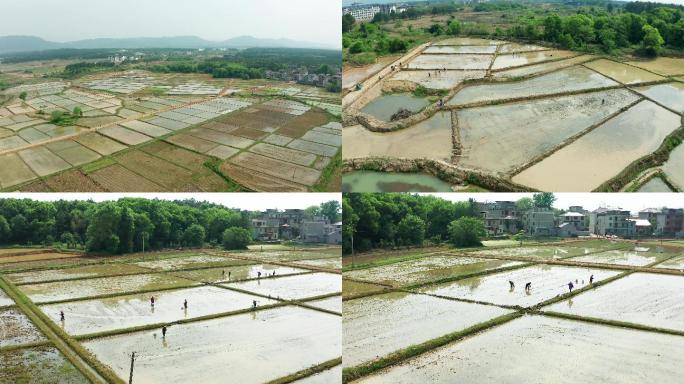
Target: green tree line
pixel 117 227
pixel 379 220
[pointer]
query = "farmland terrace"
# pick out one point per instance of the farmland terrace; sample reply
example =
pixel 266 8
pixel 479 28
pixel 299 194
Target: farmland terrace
pixel 451 315
pixel 518 117
pixel 140 132
pixel 109 315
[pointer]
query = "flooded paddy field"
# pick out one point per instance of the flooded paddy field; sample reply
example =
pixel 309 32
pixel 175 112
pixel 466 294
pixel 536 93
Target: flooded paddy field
pixel 674 167
pixel 354 75
pixel 328 262
pixel 234 273
pixel 4 299
pixel 625 257
pixel 566 80
pixel 641 298
pixel 541 252
pixel 291 255
pixel 522 350
pixel 101 315
pixel 260 346
pixel 293 287
pixel 370 181
pixel 534 110
pixel 78 272
pixel 353 288
pixel 430 139
pixel 426 269
pixel 378 325
pixel 635 133
pixel 656 184
pixel 16 328
pixel 547 283
pixel 186 262
pixel 331 304
pixel 673 263
pixel 329 376
pixel 502 137
pixel 42 365
pixel 69 290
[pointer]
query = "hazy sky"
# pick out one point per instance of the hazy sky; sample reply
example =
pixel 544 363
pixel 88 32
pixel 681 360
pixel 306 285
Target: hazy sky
pixel 248 201
pixel 632 201
pixel 316 21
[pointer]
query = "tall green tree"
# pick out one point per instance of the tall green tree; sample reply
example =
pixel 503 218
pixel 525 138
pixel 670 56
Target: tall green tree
pixel 652 42
pixel 543 199
pixel 411 230
pixel 331 210
pixel 236 238
pixel 194 236
pixel 467 232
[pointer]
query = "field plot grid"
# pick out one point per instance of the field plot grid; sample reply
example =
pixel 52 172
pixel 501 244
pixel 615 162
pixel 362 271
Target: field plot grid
pixel 603 309
pixel 523 116
pixel 254 316
pixel 256 141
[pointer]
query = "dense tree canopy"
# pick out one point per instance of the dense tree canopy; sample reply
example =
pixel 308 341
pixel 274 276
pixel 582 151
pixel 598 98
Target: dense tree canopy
pixel 392 219
pixel 117 226
pixel 466 232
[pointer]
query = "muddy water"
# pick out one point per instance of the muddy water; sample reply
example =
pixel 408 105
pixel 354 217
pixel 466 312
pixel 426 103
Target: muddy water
pixel 16 328
pixel 550 252
pixel 642 298
pixel 330 376
pixel 468 41
pixel 4 299
pixel 188 262
pixel 459 61
pixel 441 80
pixel 566 80
pixel 378 325
pixel 214 275
pixel 656 184
pixel 353 288
pixel 385 106
pixel 461 49
pixel 674 167
pixel 515 47
pixel 623 73
pixel 547 283
pixel 74 273
pixel 674 263
pixel 503 137
pixel 92 316
pixel 331 304
pixel 43 365
pixel 67 290
pixel 294 255
pixel 251 348
pixel 328 262
pixel 518 59
pixel 614 145
pixel 428 139
pixel 667 66
pixel 670 95
pixel 370 181
pixel 540 68
pixel 427 269
pixel 536 349
pixel 623 257
pixel 293 287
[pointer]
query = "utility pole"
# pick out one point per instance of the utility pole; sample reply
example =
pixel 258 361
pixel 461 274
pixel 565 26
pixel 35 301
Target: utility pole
pixel 130 378
pixel 352 244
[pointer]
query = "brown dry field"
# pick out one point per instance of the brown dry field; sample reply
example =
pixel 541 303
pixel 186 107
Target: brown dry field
pixel 37 256
pixel 73 181
pixel 300 125
pixel 116 178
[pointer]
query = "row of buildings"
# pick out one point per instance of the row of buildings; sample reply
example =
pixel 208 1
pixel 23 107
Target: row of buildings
pixel 302 76
pixel 274 225
pixel 366 12
pixel 504 218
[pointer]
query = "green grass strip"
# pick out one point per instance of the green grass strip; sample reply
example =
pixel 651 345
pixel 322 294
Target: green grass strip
pixel 110 295
pixel 613 323
pixel 467 276
pixel 307 372
pixel 331 170
pixel 353 373
pixel 33 344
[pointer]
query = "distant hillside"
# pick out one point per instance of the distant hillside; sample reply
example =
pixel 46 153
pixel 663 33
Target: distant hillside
pixel 12 44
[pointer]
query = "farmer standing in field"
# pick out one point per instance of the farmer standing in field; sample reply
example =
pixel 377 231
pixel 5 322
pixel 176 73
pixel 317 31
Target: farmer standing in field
pixel 61 315
pixel 152 301
pixel 528 286
pixel 164 332
pixel 511 284
pixel 253 304
pixel 571 286
pixel 258 275
pixel 185 304
pixel 591 279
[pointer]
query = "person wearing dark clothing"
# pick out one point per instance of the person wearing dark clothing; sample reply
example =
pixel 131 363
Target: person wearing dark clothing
pixel 259 275
pixel 591 279
pixel 528 286
pixel 571 286
pixel 511 284
pixel 164 331
pixel 185 304
pixel 152 301
pixel 253 304
pixel 61 315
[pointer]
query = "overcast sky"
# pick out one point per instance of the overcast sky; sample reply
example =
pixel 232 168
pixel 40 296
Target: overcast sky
pixel 316 21
pixel 248 201
pixel 632 201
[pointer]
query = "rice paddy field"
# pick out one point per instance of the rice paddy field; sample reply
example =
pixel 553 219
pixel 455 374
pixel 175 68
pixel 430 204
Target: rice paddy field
pixel 508 116
pixel 143 132
pixel 256 316
pixel 445 317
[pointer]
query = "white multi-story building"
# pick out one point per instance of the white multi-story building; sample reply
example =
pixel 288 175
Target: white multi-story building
pixel 364 13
